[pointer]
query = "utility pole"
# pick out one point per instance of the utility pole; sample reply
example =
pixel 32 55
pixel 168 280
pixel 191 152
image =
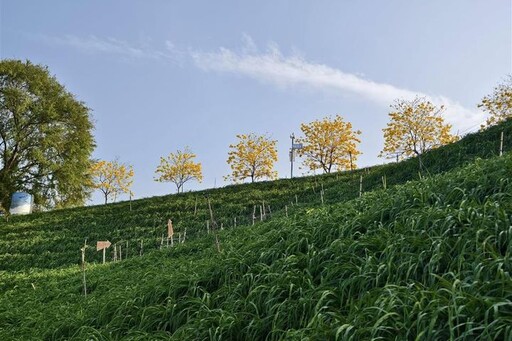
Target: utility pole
pixel 292 156
pixel 294 147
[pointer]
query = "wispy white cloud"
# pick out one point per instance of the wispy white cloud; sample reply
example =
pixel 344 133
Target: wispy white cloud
pixel 96 45
pixel 273 67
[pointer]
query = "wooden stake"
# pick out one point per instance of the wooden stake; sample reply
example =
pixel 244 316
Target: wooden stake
pixel 296 199
pixel 115 253
pixel 286 210
pixel 179 237
pixel 104 251
pixel 83 267
pixel 261 214
pixel 384 182
pixel 234 222
pixel 322 196
pixel 254 214
pixel 120 253
pixel 361 185
pixel 501 144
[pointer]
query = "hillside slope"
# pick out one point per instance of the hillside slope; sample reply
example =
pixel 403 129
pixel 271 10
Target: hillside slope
pixel 52 239
pixel 430 259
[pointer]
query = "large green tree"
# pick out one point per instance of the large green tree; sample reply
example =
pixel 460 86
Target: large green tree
pixel 45 137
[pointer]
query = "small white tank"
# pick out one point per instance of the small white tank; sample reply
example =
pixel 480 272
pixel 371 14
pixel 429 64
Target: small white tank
pixel 21 203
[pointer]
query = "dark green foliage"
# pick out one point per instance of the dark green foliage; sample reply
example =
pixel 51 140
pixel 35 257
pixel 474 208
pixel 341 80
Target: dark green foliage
pixel 45 137
pixel 426 260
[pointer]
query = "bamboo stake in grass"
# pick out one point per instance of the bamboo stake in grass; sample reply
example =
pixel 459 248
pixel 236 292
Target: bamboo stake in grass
pixel 322 196
pixel 361 185
pixel 234 222
pixel 261 214
pixel 83 267
pixel 286 210
pixel 253 214
pixel 501 144
pixel 115 252
pixel 384 182
pixel 214 225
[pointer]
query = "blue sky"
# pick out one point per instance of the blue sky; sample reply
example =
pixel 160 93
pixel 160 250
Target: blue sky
pixel 162 75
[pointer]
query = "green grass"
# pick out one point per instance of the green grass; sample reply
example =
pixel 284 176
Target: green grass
pixel 426 259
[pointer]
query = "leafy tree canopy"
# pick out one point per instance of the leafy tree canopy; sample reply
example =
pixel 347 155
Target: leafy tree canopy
pixel 252 157
pixel 415 127
pixel 45 137
pixel 498 104
pixel 329 143
pixel 179 168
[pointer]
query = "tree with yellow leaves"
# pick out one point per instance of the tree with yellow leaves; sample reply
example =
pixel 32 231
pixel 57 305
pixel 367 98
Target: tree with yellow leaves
pixel 498 104
pixel 112 178
pixel 252 157
pixel 416 126
pixel 179 168
pixel 328 144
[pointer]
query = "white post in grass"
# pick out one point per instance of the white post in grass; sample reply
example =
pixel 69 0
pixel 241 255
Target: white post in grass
pixel 501 144
pixel 361 185
pixel 115 252
pixel 254 214
pixel 234 222
pixel 384 182
pixel 261 214
pixel 83 267
pixel 322 196
pixel 286 210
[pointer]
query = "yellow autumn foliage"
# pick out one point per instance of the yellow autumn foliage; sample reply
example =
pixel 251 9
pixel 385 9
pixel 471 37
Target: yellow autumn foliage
pixel 415 127
pixel 112 178
pixel 499 104
pixel 179 168
pixel 252 157
pixel 329 144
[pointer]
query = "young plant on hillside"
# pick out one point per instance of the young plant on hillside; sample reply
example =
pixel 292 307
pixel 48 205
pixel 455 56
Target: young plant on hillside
pixel 179 168
pixel 498 104
pixel 415 127
pixel 112 178
pixel 329 143
pixel 252 157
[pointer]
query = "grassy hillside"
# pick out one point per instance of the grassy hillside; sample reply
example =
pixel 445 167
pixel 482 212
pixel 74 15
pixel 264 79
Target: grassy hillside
pixel 53 239
pixel 428 259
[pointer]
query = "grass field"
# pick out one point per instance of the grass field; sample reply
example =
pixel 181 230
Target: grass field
pixel 427 258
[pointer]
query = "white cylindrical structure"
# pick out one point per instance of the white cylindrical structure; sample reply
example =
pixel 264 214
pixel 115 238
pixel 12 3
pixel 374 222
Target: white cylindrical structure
pixel 21 203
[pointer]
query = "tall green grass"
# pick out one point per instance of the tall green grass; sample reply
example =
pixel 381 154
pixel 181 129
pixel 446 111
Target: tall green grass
pixel 427 260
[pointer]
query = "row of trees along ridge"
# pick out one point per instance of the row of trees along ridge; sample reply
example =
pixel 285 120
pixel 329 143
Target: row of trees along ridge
pixel 46 142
